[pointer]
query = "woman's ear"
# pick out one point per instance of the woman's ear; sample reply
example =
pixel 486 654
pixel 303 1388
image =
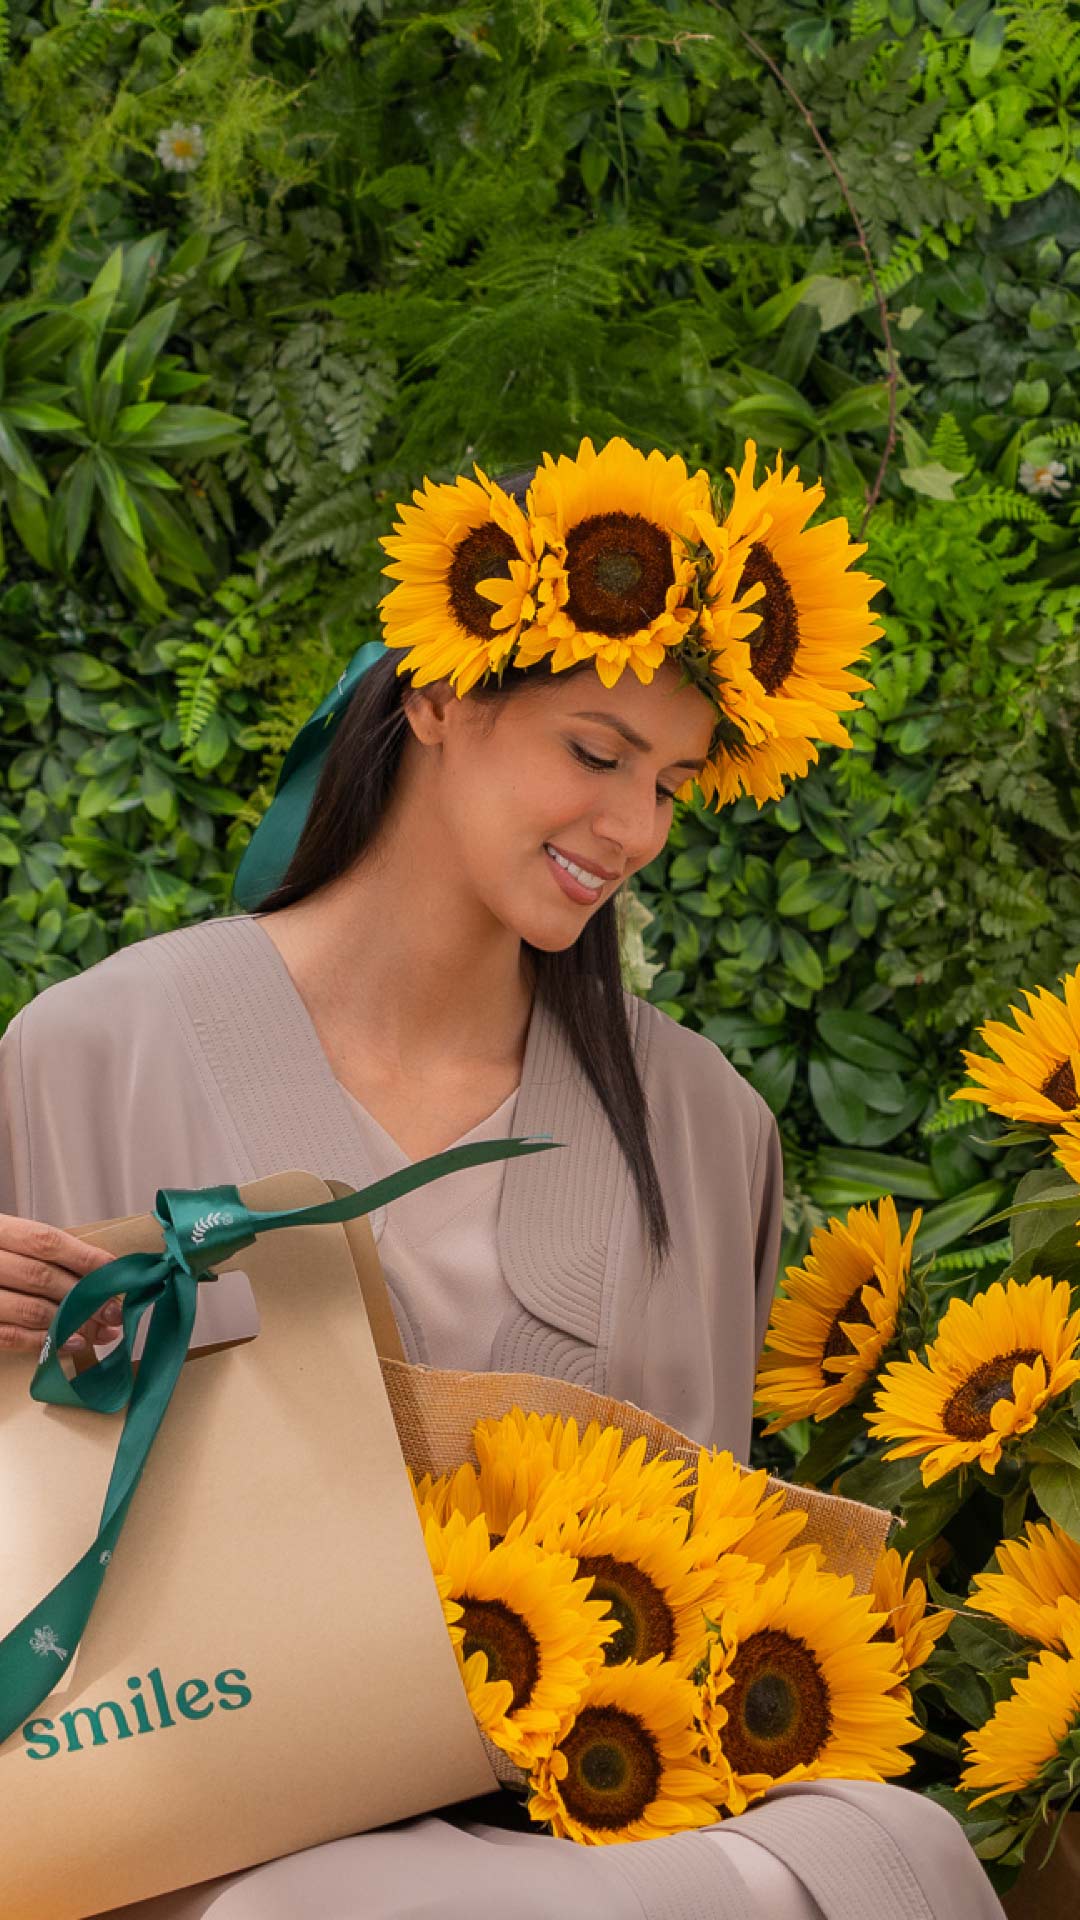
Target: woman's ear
pixel 426 709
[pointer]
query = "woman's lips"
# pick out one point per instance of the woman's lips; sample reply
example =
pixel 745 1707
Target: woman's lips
pixel 584 896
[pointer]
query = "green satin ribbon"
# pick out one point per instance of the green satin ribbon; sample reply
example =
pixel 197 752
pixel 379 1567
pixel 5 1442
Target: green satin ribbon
pixel 200 1225
pixel 273 843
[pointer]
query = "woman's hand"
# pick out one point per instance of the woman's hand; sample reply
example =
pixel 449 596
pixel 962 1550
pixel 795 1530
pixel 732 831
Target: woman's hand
pixel 39 1265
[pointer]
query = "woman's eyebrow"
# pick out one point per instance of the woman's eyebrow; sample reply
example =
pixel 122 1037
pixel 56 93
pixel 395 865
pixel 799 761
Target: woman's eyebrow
pixel 633 739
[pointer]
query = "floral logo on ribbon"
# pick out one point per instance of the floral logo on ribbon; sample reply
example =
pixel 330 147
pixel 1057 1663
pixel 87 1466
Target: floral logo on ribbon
pixel 43 1640
pixel 207 1220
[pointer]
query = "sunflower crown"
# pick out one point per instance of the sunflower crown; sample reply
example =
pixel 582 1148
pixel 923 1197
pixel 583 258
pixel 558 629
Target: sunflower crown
pixel 626 559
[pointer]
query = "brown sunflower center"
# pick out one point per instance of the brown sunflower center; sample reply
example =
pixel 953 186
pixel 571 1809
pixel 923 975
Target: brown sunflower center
pixel 646 1625
pixel 493 1628
pixel 778 1705
pixel 618 571
pixel 967 1412
pixel 613 1768
pixel 484 554
pixel 1060 1087
pixel 855 1313
pixel 773 645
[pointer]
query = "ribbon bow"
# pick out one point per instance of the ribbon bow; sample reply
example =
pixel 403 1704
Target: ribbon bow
pixel 201 1226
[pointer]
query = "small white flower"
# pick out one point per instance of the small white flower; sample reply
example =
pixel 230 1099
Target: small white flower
pixel 104 1558
pixel 1044 476
pixel 180 148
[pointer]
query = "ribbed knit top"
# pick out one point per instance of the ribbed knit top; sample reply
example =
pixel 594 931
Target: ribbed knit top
pixel 438 1246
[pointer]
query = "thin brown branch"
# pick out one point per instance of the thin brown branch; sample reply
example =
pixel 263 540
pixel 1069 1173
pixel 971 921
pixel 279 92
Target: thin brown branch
pixel 893 375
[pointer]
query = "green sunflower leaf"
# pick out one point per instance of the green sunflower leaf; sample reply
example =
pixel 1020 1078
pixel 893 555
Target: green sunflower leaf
pixel 1057 1490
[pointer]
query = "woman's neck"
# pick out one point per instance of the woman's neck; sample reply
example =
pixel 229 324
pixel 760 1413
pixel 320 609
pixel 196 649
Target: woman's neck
pixel 398 967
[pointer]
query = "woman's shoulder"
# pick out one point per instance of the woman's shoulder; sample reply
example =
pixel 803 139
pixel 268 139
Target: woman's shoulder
pixel 676 1059
pixel 125 989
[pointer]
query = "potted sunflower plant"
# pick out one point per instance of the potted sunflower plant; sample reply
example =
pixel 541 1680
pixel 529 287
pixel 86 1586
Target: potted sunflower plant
pixel 955 1402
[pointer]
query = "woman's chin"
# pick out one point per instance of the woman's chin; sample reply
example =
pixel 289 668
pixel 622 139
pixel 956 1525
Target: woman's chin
pixel 553 932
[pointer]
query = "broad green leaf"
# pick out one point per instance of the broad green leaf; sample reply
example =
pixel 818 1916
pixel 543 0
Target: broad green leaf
pixel 869 1175
pixel 800 958
pixel 39 417
pixel 42 343
pixel 20 462
pixel 837 1100
pixel 829 1447
pixel 117 496
pixel 133 419
pixel 1031 1229
pixel 74 503
pixel 938 482
pixel 182 428
pixel 943 1226
pixel 859 412
pixel 866 1040
pixel 878 1482
pixel 147 339
pixel 773 1074
pixel 987 41
pixel 836 298
pixel 1057 1490
pixel 98 795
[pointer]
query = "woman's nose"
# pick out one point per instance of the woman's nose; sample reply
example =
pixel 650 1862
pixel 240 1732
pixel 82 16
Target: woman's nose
pixel 632 825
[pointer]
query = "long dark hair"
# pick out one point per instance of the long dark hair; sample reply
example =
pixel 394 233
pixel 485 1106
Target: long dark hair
pixel 580 986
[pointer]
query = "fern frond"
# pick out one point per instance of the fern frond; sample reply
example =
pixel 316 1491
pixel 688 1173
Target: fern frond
pixel 949 445
pixel 962 1260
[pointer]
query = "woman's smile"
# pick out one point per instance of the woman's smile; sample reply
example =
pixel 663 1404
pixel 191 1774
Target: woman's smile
pixel 583 884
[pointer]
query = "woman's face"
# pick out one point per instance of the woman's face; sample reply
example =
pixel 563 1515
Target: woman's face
pixel 546 802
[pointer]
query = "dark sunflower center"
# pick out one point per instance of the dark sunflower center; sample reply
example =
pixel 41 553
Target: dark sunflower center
pixel 1060 1087
pixel 484 554
pixel 618 571
pixel 773 645
pixel 854 1312
pixel 613 1768
pixel 967 1413
pixel 493 1628
pixel 778 1705
pixel 646 1625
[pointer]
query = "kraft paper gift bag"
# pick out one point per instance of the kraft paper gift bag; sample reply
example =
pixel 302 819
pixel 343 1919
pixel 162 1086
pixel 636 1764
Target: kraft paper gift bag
pixel 266 1665
pixel 270 1619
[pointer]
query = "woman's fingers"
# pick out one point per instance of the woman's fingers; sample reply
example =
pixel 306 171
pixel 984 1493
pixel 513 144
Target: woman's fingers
pixel 39 1265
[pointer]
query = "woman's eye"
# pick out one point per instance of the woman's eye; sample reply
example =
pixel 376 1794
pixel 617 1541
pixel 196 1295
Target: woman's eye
pixel 590 759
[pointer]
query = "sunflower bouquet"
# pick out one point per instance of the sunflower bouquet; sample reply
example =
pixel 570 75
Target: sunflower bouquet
pixel 624 560
pixel 956 1402
pixel 651 1644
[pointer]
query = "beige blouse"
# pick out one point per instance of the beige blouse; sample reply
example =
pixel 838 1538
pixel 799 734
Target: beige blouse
pixel 438 1248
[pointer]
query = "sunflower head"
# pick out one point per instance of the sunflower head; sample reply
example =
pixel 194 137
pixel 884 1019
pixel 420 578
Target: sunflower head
pixel 798 1686
pixel 994 1364
pixel 1036 1074
pixel 527 1612
pixel 1032 1740
pixel 628 1765
pixel 836 1315
pixel 903 1602
pixel 621 559
pixel 1036 1585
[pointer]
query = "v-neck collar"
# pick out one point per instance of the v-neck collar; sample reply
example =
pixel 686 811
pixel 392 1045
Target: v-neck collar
pixel 566 1218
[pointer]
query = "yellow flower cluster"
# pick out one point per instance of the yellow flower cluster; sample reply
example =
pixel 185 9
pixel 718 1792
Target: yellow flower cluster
pixel 995 1383
pixel 646 1641
pixel 625 559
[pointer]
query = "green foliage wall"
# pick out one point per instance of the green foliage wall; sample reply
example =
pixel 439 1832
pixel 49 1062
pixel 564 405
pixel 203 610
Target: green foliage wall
pixel 263 266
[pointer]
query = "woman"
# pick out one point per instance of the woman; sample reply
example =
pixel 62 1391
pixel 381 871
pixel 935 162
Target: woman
pixel 439 963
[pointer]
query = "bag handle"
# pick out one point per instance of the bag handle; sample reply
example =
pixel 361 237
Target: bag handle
pixel 200 1226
